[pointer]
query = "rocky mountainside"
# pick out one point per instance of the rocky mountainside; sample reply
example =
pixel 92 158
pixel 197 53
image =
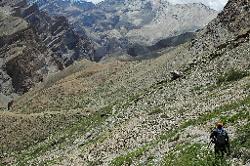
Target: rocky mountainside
pixel 140 51
pixel 116 25
pixel 23 57
pixel 230 28
pixel 135 112
pixel 33 44
pixel 58 35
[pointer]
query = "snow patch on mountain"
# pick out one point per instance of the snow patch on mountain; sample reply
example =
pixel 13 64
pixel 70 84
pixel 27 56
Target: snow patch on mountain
pixel 214 4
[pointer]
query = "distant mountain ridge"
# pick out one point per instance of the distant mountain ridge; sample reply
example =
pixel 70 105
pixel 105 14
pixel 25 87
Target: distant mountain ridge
pixel 78 3
pixel 115 24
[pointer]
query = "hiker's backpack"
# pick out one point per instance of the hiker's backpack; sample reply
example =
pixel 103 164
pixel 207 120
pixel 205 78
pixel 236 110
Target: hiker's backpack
pixel 221 137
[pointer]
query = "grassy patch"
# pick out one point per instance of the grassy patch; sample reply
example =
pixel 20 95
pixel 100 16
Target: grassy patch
pixel 66 137
pixel 248 86
pixel 170 135
pixel 150 161
pixel 241 145
pixel 127 159
pixel 232 75
pixel 217 113
pixel 192 155
pixel 155 111
pixel 197 88
pixel 241 115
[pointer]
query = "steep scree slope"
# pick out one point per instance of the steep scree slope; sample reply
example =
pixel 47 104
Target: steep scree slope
pixel 133 113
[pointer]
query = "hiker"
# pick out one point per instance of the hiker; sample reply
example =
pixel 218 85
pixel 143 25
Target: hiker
pixel 220 139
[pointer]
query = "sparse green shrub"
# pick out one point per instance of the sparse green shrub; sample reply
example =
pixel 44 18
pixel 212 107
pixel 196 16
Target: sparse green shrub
pixel 192 155
pixel 241 145
pixel 232 75
pixel 165 116
pixel 155 111
pixel 248 86
pixel 60 139
pixel 149 159
pixel 217 113
pixel 128 158
pixel 196 88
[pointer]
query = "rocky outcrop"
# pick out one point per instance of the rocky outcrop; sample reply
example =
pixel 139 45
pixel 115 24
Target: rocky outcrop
pixel 24 59
pixel 232 26
pixel 57 34
pixel 27 65
pixel 33 44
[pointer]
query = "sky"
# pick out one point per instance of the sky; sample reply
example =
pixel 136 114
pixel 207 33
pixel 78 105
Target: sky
pixel 214 4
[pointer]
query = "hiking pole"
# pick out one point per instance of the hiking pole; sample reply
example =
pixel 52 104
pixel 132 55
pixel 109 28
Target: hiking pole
pixel 210 143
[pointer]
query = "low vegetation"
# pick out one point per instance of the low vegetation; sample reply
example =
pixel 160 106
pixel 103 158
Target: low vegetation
pixel 192 155
pixel 196 154
pixel 128 158
pixel 241 144
pixel 131 113
pixel 232 75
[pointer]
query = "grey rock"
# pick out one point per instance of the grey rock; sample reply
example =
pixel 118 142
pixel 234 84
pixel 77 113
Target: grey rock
pixel 116 25
pixel 33 44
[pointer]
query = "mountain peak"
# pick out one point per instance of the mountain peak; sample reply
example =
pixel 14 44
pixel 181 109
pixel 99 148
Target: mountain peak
pixel 115 24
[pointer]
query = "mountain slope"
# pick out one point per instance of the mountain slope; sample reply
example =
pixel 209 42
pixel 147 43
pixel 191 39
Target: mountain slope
pixel 114 25
pixel 33 44
pixel 232 24
pixel 135 113
pixel 23 57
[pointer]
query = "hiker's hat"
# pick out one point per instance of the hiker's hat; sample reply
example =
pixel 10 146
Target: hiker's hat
pixel 219 124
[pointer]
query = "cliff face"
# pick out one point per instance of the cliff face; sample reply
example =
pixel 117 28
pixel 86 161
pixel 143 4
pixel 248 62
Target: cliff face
pixel 116 24
pixel 24 59
pixel 57 34
pixel 33 44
